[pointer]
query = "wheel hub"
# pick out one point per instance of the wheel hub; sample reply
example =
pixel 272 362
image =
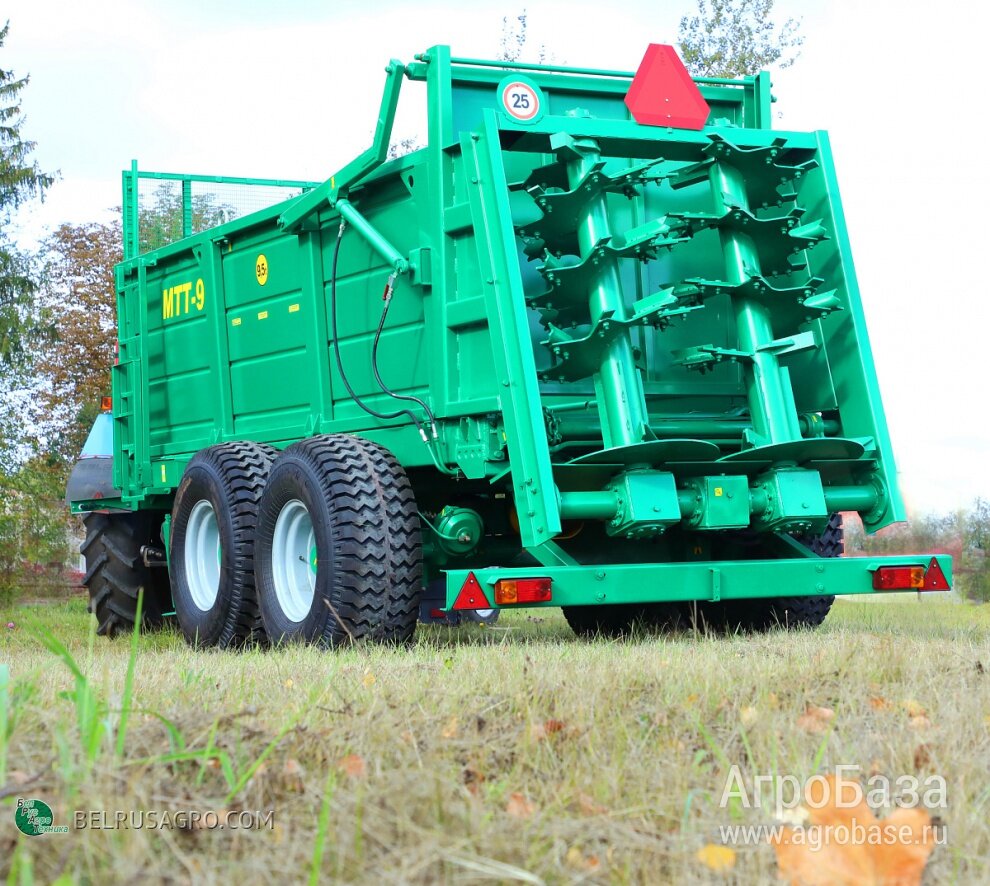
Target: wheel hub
pixel 294 560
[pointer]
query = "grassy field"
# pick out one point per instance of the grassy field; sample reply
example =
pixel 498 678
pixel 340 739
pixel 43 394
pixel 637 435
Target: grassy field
pixel 511 754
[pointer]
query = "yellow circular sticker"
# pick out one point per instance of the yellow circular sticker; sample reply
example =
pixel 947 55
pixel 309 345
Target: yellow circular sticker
pixel 261 270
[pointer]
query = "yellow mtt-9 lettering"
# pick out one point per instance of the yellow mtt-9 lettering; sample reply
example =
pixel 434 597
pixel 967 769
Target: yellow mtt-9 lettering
pixel 183 299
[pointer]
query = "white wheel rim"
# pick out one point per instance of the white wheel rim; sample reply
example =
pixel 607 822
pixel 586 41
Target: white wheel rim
pixel 202 555
pixel 294 560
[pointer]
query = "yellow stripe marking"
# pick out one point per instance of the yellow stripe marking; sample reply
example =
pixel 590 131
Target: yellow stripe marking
pixel 236 321
pixel 262 315
pixel 293 309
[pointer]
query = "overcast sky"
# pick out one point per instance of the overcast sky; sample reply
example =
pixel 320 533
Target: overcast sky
pixel 248 87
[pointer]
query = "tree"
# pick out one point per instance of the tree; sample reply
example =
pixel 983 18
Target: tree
pixel 976 544
pixel 737 38
pixel 34 523
pixel 160 218
pixel 78 295
pixel 20 180
pixel 515 38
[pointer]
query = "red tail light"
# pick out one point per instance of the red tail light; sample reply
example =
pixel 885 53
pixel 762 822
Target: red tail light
pixel 899 578
pixel 522 590
pixel 106 404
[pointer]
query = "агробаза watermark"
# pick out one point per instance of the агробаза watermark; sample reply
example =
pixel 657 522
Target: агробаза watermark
pixel 780 794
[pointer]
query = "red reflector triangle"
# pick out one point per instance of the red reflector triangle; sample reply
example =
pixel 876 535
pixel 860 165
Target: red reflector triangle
pixel 935 579
pixel 663 94
pixel 471 596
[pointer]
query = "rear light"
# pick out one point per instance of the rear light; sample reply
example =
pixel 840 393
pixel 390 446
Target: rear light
pixel 106 404
pixel 899 578
pixel 522 590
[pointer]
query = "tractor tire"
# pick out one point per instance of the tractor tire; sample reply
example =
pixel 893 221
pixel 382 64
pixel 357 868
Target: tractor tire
pixel 788 612
pixel 339 550
pixel 116 573
pixel 213 540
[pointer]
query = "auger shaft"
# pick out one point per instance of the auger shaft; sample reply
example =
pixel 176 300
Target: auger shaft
pixel 619 384
pixel 771 401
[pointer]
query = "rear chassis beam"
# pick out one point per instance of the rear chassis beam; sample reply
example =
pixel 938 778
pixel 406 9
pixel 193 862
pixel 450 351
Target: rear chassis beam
pixel 701 581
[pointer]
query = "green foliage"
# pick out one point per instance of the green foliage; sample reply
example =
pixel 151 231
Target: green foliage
pixel 737 38
pixel 77 296
pixel 20 180
pixel 976 546
pixel 515 41
pixel 965 535
pixel 33 528
pixel 160 220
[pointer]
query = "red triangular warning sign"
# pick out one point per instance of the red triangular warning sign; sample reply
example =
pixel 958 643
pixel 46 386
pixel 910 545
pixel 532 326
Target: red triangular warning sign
pixel 935 579
pixel 471 596
pixel 663 94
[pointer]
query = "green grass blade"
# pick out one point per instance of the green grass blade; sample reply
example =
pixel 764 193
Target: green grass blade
pixel 5 719
pixel 125 707
pixel 323 826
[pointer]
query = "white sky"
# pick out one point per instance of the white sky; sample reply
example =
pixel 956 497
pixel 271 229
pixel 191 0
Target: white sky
pixel 248 87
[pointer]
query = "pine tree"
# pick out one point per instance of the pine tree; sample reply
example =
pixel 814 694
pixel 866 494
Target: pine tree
pixel 20 180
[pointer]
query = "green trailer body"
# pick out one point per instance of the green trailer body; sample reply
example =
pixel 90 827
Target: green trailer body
pixel 633 357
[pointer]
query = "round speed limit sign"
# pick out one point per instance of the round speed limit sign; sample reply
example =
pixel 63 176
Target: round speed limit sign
pixel 521 100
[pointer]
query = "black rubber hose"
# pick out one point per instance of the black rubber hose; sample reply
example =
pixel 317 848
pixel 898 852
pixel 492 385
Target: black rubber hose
pixel 383 416
pixel 374 365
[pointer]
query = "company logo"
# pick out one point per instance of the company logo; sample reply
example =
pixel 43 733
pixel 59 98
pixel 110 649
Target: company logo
pixel 34 818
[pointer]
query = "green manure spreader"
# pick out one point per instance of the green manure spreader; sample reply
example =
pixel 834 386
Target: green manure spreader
pixel 597 345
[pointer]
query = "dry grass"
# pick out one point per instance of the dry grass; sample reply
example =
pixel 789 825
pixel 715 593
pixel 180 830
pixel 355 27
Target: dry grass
pixel 509 754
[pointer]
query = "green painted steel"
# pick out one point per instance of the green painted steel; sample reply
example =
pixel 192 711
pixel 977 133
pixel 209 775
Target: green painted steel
pixel 705 582
pixel 612 343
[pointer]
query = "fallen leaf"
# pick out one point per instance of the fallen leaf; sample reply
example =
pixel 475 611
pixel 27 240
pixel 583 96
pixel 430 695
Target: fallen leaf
pixel 879 858
pixel 922 756
pixel 588 806
pixel 692 698
pixel 717 858
pixel 920 722
pixel 749 715
pixel 368 679
pixel 294 775
pixel 913 708
pixel 450 730
pixel 542 731
pixel 289 684
pixel 473 779
pixel 879 703
pixel 577 859
pixel 518 806
pixel 815 719
pixel 353 766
